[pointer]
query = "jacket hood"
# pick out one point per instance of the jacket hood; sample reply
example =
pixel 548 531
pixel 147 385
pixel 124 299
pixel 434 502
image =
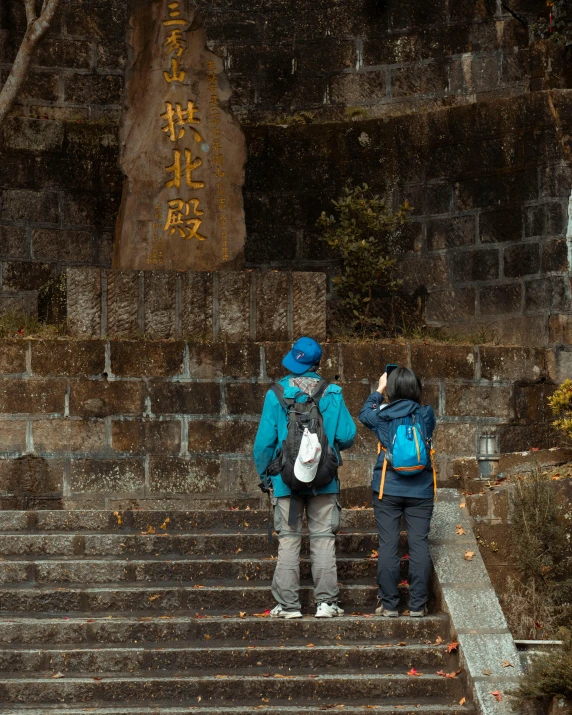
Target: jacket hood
pixel 399 408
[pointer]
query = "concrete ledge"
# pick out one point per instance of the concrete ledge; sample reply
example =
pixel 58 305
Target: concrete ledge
pixel 487 649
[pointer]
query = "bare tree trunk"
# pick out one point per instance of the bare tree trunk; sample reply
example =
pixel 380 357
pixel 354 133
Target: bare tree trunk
pixel 35 30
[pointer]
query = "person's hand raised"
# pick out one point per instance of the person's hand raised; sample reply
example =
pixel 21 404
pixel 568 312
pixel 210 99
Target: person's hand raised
pixel 382 383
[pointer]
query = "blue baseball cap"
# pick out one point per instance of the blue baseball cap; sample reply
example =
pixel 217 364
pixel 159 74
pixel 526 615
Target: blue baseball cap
pixel 305 353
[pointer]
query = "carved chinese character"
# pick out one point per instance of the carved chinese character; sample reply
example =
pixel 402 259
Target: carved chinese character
pixel 179 117
pixel 175 42
pixel 177 219
pixel 190 165
pixel 176 74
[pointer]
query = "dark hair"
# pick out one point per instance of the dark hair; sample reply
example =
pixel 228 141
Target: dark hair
pixel 403 384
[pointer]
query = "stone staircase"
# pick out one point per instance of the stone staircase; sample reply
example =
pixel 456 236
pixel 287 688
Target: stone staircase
pixel 136 612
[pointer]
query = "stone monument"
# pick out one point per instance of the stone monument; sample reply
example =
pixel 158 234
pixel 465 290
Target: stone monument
pixel 183 152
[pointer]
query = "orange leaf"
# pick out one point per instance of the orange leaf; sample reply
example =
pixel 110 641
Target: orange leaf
pixel 460 531
pixel 452 646
pixel 462 701
pixel 373 554
pixel 438 640
pixel 469 555
pixel 310 645
pixel 496 695
pixel 413 673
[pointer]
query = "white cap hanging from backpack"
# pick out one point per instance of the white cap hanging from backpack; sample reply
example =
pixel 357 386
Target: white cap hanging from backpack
pixel 308 459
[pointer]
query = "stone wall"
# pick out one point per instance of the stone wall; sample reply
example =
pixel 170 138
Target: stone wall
pixel 326 92
pixel 93 420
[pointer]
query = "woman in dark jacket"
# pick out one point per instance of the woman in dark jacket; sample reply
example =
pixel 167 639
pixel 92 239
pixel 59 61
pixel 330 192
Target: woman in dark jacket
pixel 408 495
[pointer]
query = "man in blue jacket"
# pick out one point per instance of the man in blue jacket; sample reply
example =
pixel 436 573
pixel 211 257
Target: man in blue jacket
pixel 322 508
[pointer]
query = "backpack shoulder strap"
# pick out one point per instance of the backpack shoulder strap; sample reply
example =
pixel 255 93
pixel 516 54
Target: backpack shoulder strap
pixel 319 392
pixel 278 390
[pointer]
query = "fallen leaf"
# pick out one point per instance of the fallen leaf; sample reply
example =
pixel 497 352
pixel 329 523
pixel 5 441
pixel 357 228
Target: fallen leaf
pixel 496 695
pixel 55 676
pixel 462 505
pixel 469 555
pixel 207 637
pixel 460 531
pixel 150 529
pixel 452 646
pixel 438 640
pixel 154 598
pixel 221 676
pixel 413 673
pixel 462 701
pixel 164 524
pixel 405 558
pixel 373 554
pixel 507 664
pixel 238 551
pixel 402 643
pixel 242 614
pixel 310 645
pixel 487 672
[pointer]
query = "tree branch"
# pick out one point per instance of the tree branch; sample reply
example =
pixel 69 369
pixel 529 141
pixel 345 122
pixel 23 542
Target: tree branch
pixel 34 32
pixel 516 17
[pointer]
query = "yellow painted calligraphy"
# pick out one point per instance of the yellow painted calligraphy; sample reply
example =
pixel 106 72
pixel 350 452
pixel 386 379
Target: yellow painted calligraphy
pixel 178 116
pixel 176 75
pixel 190 165
pixel 175 42
pixel 177 219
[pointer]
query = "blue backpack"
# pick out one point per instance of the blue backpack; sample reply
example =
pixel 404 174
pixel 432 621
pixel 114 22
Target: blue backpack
pixel 409 451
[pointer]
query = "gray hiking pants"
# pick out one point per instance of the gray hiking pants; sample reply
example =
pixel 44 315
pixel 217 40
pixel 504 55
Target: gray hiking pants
pixel 323 514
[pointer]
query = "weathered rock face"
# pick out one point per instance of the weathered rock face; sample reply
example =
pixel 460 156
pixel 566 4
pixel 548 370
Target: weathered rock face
pixel 182 151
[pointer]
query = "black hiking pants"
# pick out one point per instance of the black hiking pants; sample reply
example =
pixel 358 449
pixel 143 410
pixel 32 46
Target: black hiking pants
pixel 388 512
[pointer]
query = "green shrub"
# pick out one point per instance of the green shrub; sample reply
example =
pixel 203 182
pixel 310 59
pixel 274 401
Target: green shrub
pixel 561 405
pixel 364 235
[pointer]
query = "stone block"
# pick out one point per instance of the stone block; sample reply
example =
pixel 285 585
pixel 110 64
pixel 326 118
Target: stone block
pixel 79 208
pixel 478 401
pixel 43 396
pixel 93 89
pixel 355 394
pixel 428 271
pixel 230 437
pixel 13 242
pixel 197 305
pixel 555 256
pixel 29 206
pixel 26 276
pixel 534 221
pixel 12 435
pixel 356 473
pixel 490 651
pixel 365 361
pixel 239 475
pixel 107 476
pixel 13 356
pixel 474 265
pixel 500 226
pixel 146 437
pixel 177 398
pixel 272 305
pixel 35 135
pixel 245 398
pixel 68 436
pixel 160 304
pixel 95 22
pixel 100 398
pixel 392 50
pixel 425 80
pixel 559 363
pixel 496 300
pixel 63 52
pixel 234 306
pixel 365 442
pixel 325 55
pixel 547 294
pixel 427 199
pixel 241 360
pixel 122 303
pixel 309 305
pixel 521 364
pixel 450 306
pixel 451 566
pixel 57 244
pixel 443 361
pixel 356 87
pixel 560 329
pixel 474 608
pixel 456 439
pixel 197 475
pixel 143 358
pixel 522 260
pixel 68 358
pixel 31 475
pixel 84 301
pixel 556 180
pixel 450 233
pixel 41 86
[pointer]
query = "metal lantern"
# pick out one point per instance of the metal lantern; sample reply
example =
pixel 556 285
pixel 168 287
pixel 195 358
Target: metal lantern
pixel 488 455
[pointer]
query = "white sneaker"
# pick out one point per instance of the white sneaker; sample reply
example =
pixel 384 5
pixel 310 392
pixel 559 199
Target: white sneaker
pixel 279 612
pixel 329 610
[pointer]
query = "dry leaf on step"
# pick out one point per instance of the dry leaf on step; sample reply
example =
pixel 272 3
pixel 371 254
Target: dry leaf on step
pixel 496 695
pixel 469 555
pixel 460 531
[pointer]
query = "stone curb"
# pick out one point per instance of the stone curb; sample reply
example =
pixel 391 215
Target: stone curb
pixel 487 649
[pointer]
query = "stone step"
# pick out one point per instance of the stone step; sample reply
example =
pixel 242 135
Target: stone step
pixel 250 686
pixel 221 657
pixel 192 569
pixel 121 628
pixel 421 706
pixel 128 544
pixel 161 597
pixel 159 520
